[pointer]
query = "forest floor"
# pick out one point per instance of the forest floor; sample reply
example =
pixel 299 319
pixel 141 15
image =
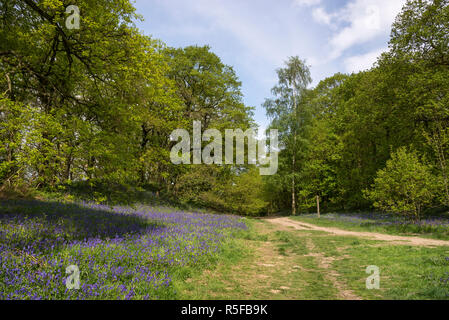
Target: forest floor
pixel 290 259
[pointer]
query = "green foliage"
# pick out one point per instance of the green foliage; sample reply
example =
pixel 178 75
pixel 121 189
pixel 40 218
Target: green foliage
pixel 94 107
pixel 317 173
pixel 212 187
pixel 244 193
pixel 349 124
pixel 209 92
pixel 209 89
pixel 420 31
pixel 91 88
pixel 12 131
pixel 405 186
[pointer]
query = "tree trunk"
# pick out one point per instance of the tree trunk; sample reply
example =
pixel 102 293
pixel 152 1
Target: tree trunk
pixel 68 168
pixel 143 146
pixel 294 152
pixel 293 191
pixel 442 159
pixel 293 177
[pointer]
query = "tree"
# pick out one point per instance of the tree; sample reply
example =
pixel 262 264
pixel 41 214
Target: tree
pixel 421 30
pixel 318 169
pixel 286 114
pixel 420 42
pixel 92 88
pixel 210 92
pixel 405 185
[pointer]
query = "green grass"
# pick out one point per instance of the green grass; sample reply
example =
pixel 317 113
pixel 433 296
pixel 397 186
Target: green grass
pixel 406 272
pixel 197 284
pixel 241 278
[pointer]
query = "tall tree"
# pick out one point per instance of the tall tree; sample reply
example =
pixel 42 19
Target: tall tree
pixel 284 111
pixel 91 88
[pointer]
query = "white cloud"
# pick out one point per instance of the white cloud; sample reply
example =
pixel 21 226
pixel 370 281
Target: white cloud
pixel 307 3
pixel 362 62
pixel 362 20
pixel 257 37
pixel 230 19
pixel 321 16
pixel 266 40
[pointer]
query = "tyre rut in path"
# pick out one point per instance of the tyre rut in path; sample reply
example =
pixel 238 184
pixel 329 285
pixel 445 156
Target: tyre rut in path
pixel 402 240
pixel 325 264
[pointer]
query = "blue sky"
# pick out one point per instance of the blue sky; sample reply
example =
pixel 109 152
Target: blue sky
pixel 257 36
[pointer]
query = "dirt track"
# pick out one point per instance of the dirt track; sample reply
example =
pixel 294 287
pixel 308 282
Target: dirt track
pixel 413 241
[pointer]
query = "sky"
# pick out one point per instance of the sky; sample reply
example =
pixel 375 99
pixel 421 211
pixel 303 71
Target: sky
pixel 256 37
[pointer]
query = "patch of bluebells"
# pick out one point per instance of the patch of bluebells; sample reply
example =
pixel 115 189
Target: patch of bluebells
pixel 445 279
pixel 121 252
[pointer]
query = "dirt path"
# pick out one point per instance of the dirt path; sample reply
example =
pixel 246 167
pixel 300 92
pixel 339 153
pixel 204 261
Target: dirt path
pixel 280 264
pixel 330 274
pixel 414 241
pixel 263 275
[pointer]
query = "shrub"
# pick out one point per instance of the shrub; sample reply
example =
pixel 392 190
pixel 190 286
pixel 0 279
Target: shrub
pixel 405 186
